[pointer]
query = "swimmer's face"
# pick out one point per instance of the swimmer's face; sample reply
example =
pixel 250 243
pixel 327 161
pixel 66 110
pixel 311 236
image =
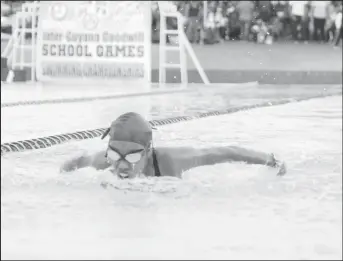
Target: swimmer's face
pixel 128 159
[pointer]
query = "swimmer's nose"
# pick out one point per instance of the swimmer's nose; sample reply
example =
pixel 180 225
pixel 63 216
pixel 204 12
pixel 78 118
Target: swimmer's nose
pixel 123 166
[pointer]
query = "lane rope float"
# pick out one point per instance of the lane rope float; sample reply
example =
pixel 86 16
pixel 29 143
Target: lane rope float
pixel 49 141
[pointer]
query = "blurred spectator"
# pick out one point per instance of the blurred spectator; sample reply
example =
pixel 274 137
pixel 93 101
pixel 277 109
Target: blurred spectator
pixel 281 19
pixel 221 22
pixel 319 13
pixel 211 29
pixel 264 10
pixel 276 27
pixel 300 20
pixel 338 24
pixel 330 28
pixel 192 14
pixel 245 10
pixel 234 26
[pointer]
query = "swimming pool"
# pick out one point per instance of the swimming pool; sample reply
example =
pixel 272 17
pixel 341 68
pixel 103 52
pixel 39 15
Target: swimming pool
pixel 226 211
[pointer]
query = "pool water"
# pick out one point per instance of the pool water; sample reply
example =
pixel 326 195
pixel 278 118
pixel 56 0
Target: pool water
pixel 224 211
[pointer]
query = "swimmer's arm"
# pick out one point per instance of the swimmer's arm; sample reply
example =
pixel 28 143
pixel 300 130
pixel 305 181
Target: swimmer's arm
pixel 236 154
pixel 192 158
pixel 97 161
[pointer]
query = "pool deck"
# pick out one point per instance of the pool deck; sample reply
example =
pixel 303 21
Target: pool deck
pixel 239 62
pixel 279 63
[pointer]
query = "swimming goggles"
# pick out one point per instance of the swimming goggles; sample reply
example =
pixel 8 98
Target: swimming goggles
pixel 133 157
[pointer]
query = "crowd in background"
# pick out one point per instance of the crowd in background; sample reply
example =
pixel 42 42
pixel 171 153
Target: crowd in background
pixel 260 21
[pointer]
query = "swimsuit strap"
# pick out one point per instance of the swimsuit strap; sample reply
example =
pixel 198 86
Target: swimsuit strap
pixel 156 168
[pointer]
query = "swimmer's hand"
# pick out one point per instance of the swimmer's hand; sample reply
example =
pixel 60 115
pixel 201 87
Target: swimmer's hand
pixel 77 163
pixel 69 166
pixel 97 161
pixel 281 166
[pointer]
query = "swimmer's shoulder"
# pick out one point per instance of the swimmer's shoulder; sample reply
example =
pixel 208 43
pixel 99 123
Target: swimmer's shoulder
pixel 172 161
pixel 163 161
pixel 169 153
pixel 98 160
pixel 178 153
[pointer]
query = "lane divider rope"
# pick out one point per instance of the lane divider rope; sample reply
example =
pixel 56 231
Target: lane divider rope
pixel 46 142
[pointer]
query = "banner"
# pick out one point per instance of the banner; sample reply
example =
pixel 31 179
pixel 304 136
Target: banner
pixel 93 40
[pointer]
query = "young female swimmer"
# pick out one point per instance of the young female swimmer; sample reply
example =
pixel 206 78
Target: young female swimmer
pixel 130 153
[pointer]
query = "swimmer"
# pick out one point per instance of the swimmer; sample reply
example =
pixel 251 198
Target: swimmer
pixel 130 153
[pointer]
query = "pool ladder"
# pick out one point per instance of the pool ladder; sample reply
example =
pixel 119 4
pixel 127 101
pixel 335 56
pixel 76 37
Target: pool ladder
pixel 17 44
pixel 181 46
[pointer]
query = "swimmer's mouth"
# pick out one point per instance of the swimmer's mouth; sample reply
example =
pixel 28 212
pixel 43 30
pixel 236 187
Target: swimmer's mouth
pixel 121 175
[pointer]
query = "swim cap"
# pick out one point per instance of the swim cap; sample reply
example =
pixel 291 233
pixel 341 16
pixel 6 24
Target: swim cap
pixel 130 127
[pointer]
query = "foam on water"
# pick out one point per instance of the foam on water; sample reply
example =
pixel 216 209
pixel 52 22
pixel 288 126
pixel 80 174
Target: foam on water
pixel 226 211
